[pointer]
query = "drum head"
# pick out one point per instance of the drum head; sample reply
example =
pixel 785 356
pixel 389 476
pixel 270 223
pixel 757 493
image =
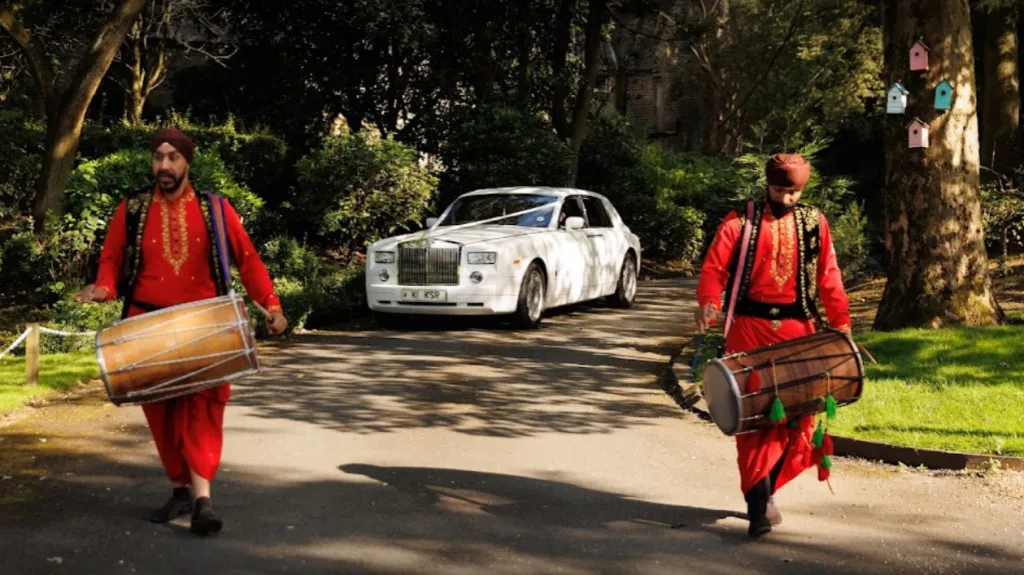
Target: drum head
pixel 722 396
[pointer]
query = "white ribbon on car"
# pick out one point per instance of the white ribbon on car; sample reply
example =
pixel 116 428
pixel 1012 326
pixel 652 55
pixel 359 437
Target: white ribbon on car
pixel 427 234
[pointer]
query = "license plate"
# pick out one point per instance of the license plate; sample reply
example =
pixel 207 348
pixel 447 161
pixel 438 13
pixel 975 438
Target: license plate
pixel 424 295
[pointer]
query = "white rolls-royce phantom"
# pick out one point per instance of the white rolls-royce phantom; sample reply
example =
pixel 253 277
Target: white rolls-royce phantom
pixel 507 251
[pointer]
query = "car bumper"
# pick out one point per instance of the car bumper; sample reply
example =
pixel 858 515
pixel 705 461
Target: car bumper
pixel 458 300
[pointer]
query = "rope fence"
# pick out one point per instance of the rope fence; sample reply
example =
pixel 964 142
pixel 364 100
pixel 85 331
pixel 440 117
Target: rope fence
pixel 30 337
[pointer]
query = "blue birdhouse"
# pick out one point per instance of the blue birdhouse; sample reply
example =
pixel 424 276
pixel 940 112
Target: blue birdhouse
pixel 944 95
pixel 896 102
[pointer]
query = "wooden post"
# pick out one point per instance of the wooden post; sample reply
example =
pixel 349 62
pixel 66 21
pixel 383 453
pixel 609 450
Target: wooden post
pixel 32 355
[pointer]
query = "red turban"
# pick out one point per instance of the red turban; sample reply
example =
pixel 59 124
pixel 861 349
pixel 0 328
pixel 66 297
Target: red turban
pixel 787 170
pixel 175 138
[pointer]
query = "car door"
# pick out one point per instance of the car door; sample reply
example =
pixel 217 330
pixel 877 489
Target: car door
pixel 604 246
pixel 572 256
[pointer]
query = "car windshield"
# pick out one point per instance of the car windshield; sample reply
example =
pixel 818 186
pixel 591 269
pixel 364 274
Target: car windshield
pixel 468 209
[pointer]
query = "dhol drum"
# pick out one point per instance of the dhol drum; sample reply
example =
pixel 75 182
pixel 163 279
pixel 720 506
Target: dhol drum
pixel 802 372
pixel 177 350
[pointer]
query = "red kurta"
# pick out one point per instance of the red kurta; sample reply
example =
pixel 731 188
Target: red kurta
pixel 773 280
pixel 174 268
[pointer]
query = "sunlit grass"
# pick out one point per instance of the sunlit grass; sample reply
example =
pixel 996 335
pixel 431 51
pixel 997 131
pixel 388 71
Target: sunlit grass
pixel 57 373
pixel 958 389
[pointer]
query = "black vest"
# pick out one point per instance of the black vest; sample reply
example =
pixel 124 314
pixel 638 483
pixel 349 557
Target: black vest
pixel 808 249
pixel 136 209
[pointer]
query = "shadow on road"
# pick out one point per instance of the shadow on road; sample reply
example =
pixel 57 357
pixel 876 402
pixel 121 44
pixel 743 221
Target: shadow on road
pixel 379 519
pixel 583 372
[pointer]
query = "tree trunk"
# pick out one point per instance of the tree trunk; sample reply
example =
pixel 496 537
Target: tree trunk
pixel 65 117
pixel 559 60
pixel 596 17
pixel 1000 110
pixel 136 103
pixel 934 237
pixel 716 91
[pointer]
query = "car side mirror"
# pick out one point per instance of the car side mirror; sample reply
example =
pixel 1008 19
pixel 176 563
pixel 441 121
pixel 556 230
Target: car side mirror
pixel 431 222
pixel 574 223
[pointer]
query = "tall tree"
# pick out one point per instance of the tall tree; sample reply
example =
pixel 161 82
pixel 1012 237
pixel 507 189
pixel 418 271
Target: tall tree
pixel 934 236
pixel 1000 106
pixel 65 102
pixel 165 31
pixel 571 124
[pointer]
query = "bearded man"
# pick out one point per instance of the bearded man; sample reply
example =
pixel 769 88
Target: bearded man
pixel 790 261
pixel 160 252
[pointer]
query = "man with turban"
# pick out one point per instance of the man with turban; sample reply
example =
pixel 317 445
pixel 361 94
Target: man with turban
pixel 789 260
pixel 159 252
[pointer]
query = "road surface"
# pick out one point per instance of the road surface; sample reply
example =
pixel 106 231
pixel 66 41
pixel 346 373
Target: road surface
pixel 469 449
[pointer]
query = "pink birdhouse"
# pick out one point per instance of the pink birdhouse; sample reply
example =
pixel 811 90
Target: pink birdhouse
pixel 919 56
pixel 917 133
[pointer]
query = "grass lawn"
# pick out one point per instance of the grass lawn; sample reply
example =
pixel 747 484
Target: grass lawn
pixel 57 372
pixel 958 389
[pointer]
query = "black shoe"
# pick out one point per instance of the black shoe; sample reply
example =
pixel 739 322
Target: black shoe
pixel 204 520
pixel 179 504
pixel 759 525
pixel 757 508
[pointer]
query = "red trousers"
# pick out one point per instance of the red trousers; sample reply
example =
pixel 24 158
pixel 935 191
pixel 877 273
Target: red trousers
pixel 758 452
pixel 189 433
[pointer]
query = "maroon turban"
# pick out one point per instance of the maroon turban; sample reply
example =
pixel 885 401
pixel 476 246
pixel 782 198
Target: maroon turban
pixel 175 138
pixel 787 170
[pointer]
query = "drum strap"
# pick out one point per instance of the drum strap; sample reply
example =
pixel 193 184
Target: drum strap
pixel 220 248
pixel 741 265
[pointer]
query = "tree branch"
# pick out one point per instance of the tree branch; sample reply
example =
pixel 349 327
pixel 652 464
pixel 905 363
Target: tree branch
pixel 771 63
pixel 39 66
pixel 97 58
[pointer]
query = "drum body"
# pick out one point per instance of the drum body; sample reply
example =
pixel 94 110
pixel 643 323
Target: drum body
pixel 177 350
pixel 801 371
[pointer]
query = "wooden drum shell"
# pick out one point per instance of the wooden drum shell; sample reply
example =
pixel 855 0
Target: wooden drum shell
pixel 178 350
pixel 801 368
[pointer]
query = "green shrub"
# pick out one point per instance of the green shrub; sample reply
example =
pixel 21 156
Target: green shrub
pixel 662 195
pixel 496 145
pixel 20 162
pixel 358 188
pixel 327 300
pixel 285 257
pixel 71 316
pixel 850 240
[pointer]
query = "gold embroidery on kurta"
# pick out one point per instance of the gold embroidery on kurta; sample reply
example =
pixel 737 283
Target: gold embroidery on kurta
pixel 782 251
pixel 175 230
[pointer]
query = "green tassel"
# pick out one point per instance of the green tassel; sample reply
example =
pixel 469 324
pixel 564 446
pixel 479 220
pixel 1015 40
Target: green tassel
pixel 826 462
pixel 778 413
pixel 831 406
pixel 819 436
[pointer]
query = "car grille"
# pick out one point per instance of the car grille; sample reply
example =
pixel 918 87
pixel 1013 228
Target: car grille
pixel 428 266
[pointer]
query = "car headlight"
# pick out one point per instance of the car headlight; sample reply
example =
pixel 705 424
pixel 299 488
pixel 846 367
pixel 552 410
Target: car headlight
pixel 384 257
pixel 478 258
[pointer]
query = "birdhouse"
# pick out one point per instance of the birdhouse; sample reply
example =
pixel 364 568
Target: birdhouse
pixel 896 103
pixel 944 95
pixel 917 132
pixel 919 56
